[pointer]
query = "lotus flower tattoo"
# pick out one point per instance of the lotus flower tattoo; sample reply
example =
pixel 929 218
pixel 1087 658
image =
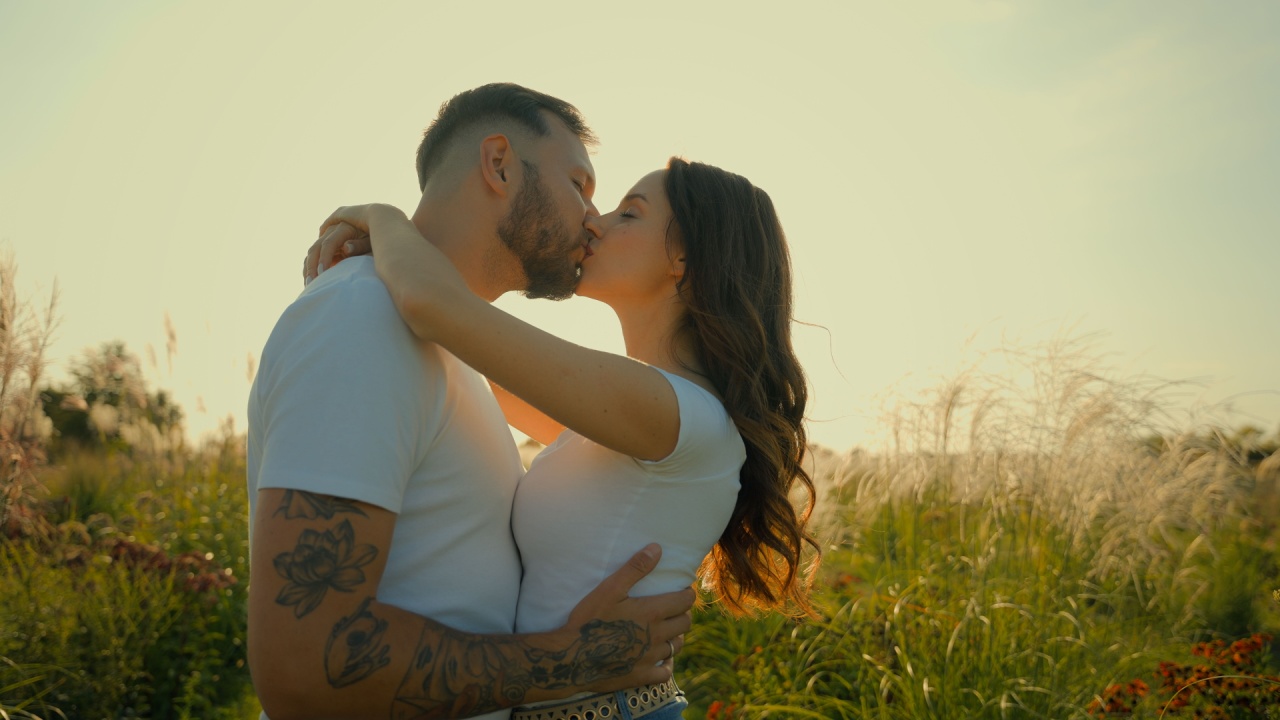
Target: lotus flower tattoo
pixel 322 560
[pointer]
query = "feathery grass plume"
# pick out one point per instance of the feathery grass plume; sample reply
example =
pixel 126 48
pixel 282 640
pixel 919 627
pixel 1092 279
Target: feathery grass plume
pixel 25 333
pixel 1022 543
pixel 170 340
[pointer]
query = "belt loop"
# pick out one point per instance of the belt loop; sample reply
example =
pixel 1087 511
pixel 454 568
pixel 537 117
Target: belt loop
pixel 624 712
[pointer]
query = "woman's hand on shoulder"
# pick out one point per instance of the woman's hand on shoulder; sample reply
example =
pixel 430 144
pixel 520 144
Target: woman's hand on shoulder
pixel 362 217
pixel 344 234
pixel 333 246
pixel 422 281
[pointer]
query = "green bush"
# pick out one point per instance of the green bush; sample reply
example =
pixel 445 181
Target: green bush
pixel 132 596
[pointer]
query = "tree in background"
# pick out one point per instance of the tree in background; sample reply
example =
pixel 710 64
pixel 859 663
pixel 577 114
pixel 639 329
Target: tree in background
pixel 107 404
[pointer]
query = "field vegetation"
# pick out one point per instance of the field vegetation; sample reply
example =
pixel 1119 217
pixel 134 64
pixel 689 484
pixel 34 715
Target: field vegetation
pixel 1042 541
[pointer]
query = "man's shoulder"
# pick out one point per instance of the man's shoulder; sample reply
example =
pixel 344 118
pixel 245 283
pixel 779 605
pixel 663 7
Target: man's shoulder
pixel 347 304
pixel 347 312
pixel 351 286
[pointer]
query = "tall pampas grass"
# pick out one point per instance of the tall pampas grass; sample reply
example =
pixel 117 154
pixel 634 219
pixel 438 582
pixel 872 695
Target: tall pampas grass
pixel 25 333
pixel 1032 531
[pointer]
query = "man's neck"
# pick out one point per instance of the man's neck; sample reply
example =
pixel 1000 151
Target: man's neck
pixel 470 242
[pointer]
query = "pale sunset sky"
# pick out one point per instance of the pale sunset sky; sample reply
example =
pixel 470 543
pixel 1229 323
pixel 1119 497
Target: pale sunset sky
pixel 948 173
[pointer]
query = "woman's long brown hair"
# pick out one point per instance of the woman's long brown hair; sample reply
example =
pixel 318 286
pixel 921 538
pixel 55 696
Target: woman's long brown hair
pixel 737 289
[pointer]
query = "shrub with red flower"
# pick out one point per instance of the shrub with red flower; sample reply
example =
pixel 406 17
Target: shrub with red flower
pixel 196 572
pixel 720 711
pixel 1119 699
pixel 1226 685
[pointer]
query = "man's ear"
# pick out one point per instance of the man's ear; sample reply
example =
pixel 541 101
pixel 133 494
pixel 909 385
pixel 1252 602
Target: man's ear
pixel 497 158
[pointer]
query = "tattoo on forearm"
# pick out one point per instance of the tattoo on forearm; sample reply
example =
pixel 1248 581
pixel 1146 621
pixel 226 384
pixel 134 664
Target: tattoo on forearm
pixel 607 649
pixel 355 648
pixel 462 676
pixel 310 506
pixel 322 560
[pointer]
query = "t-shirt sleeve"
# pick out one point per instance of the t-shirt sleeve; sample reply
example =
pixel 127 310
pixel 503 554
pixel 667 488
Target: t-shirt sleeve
pixel 708 439
pixel 342 409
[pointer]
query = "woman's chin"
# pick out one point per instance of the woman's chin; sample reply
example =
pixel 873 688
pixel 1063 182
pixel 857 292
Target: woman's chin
pixel 584 289
pixel 588 294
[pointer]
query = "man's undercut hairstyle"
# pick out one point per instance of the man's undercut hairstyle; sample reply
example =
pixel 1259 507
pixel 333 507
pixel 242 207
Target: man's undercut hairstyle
pixel 494 101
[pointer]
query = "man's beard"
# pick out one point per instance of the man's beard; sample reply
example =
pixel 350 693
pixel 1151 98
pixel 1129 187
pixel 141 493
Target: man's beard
pixel 540 240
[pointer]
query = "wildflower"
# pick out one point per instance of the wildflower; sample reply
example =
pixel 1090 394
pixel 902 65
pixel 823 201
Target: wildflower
pixel 720 711
pixel 844 580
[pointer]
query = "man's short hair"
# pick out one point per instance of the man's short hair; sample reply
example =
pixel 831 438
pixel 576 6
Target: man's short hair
pixel 494 101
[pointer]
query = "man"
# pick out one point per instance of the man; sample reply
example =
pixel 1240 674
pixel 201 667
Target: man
pixel 381 471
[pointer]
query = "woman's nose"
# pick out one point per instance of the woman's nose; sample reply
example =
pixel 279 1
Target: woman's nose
pixel 594 225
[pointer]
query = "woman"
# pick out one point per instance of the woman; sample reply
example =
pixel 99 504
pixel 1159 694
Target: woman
pixel 693 440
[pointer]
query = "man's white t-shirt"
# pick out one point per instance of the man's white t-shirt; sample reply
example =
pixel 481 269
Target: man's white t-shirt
pixel 583 510
pixel 347 402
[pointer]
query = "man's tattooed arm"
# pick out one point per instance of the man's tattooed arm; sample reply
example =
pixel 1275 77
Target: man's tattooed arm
pixel 356 648
pixel 321 644
pixel 458 675
pixel 299 504
pixel 321 561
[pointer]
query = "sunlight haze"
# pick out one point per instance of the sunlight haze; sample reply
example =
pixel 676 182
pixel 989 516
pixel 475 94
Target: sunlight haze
pixel 948 174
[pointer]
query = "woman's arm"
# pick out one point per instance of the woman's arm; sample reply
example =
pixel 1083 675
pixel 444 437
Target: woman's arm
pixel 613 400
pixel 526 418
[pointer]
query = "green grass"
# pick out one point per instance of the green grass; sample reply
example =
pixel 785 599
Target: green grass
pixel 128 601
pixel 955 611
pixel 1009 556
